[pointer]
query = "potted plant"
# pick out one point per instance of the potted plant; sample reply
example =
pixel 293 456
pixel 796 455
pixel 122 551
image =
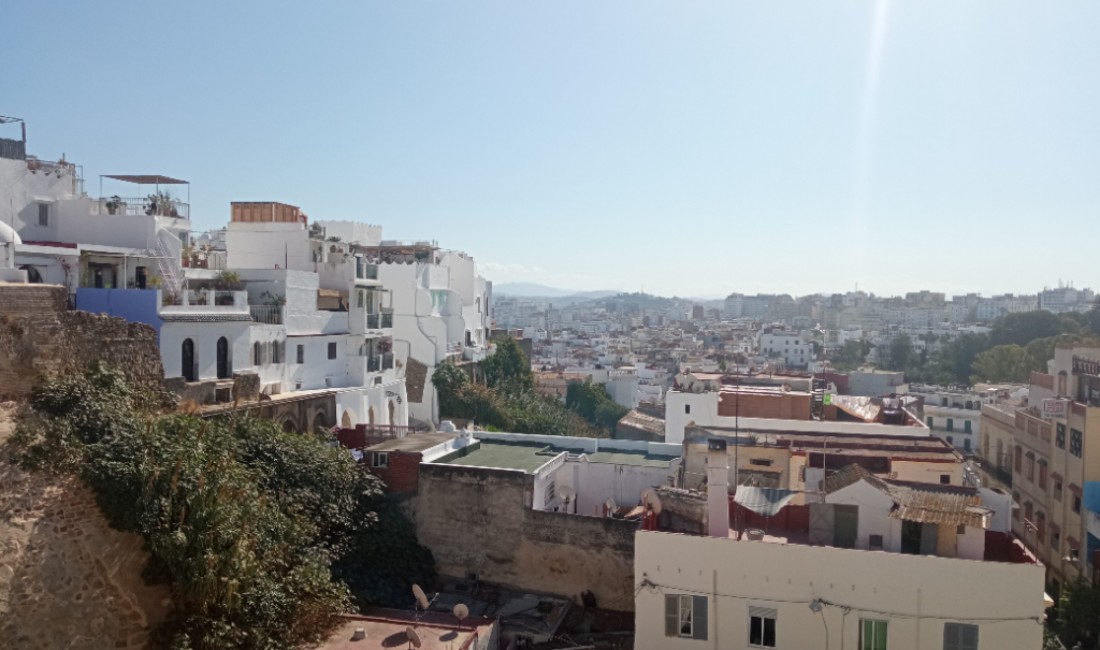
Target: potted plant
pixel 113 204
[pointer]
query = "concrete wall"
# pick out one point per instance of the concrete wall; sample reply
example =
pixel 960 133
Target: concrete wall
pixel 476 520
pixel 915 595
pixel 39 336
pixel 134 305
pixel 268 246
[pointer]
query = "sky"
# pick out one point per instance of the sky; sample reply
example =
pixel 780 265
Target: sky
pixel 677 147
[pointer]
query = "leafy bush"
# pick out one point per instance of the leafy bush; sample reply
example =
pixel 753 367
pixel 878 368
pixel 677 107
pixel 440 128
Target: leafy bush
pixel 263 535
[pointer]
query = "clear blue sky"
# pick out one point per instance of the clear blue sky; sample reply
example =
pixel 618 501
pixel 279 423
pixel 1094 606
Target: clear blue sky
pixel 692 148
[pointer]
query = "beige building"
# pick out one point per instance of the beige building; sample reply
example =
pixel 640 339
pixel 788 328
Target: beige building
pixel 1053 461
pixel 698 592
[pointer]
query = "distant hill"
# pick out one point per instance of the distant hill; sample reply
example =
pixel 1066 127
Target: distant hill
pixel 533 290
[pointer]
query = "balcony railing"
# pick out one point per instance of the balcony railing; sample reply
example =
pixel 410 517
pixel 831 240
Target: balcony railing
pixel 383 320
pixel 147 206
pixel 267 314
pixel 387 319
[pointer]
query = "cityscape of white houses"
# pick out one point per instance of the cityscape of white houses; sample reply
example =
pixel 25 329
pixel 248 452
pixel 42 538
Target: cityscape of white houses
pixel 299 308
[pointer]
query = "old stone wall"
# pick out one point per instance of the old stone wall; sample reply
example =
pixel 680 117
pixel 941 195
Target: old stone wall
pixel 40 336
pixel 67 580
pixel 683 511
pixel 474 521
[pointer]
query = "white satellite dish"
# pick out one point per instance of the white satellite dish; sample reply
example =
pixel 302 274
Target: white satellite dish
pixel 421 598
pixel 567 493
pixel 461 611
pixel 649 496
pixel 413 637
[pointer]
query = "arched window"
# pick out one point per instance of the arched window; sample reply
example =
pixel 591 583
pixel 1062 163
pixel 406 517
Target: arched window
pixel 320 424
pixel 188 361
pixel 257 353
pixel 223 358
pixel 276 352
pixel 345 421
pixel 33 276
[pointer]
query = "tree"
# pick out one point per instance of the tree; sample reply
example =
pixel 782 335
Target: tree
pixel 593 403
pixel 1023 328
pixel 901 354
pixel 851 355
pixel 1003 363
pixel 508 365
pixel 957 357
pixel 448 380
pixel 1078 619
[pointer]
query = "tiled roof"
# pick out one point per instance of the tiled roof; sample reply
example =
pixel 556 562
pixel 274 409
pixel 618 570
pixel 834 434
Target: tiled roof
pixel 928 503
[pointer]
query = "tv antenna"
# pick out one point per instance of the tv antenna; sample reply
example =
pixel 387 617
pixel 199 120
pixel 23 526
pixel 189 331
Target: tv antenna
pixel 413 637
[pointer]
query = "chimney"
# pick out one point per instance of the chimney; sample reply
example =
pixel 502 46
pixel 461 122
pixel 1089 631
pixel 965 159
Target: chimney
pixel 718 504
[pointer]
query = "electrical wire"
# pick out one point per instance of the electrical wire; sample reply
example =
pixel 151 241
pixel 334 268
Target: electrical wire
pixel 656 586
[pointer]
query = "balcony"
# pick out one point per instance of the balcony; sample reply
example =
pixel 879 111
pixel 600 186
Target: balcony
pixel 266 314
pixel 148 205
pixel 203 300
pixel 374 364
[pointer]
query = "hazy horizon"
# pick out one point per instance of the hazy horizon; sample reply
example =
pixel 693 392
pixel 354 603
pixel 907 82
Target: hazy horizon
pixel 684 149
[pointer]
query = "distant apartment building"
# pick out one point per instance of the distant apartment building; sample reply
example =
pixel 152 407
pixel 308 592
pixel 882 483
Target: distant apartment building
pixel 789 346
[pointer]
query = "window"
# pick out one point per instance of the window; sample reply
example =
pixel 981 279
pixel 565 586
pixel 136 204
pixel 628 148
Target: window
pixel 762 627
pixel 950 424
pixel 301 354
pixel 960 636
pixel 929 421
pixel 1076 504
pixel 966 426
pixel 1040 526
pixel 966 442
pixel 43 214
pixel 1075 441
pixel 945 479
pixel 1042 474
pixel 761 462
pixel 1055 541
pixel 1018 459
pixel 1060 436
pixel 276 352
pixel 1015 510
pixel 686 616
pixel 1030 466
pixel 874 542
pixel 257 354
pixel 1027 511
pixel 687 408
pixel 332 350
pixel 380 459
pixel 1058 489
pixel 872 635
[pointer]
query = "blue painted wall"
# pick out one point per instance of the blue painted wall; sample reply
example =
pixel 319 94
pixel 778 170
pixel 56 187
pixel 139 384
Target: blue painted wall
pixel 134 305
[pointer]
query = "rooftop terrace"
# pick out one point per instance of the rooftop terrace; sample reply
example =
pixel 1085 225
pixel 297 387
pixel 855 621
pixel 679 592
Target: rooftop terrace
pixel 528 457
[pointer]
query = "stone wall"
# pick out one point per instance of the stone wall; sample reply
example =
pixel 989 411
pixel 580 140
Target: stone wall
pixel 40 336
pixel 67 580
pixel 474 520
pixel 683 511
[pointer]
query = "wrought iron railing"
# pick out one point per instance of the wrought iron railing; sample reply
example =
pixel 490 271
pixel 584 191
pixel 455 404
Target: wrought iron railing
pixel 267 314
pixel 387 319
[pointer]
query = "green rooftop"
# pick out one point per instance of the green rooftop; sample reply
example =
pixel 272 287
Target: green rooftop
pixel 529 456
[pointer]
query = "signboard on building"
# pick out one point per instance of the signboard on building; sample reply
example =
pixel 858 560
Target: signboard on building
pixel 1055 408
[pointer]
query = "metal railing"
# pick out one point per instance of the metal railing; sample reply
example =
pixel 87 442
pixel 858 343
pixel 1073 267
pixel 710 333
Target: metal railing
pixel 387 319
pixel 374 321
pixel 147 206
pixel 267 314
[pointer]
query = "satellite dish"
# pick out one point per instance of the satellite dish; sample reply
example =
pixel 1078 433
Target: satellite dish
pixel 461 611
pixel 413 637
pixel 649 495
pixel 421 598
pixel 567 493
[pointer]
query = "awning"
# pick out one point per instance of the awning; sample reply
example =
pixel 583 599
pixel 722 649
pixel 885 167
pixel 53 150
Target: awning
pixel 766 502
pixel 147 179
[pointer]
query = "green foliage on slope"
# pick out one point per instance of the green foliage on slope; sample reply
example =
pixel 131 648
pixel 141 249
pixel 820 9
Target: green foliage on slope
pixel 264 536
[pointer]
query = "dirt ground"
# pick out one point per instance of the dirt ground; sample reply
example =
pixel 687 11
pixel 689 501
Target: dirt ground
pixel 67 580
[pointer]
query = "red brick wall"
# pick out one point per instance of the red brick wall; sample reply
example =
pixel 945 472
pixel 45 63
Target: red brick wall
pixel 403 472
pixel 787 406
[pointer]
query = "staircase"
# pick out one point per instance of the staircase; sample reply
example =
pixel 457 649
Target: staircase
pixel 168 260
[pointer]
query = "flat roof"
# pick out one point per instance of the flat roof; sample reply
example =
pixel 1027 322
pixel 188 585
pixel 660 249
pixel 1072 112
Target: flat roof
pixel 385 628
pixel 529 456
pixel 413 442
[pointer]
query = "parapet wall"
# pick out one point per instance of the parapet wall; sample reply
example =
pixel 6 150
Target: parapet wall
pixel 39 336
pixel 476 520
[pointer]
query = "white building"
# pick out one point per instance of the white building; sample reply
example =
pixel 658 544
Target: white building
pixel 790 346
pixel 702 592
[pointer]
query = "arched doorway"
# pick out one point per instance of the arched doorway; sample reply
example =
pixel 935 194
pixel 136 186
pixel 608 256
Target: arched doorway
pixel 188 362
pixel 345 420
pixel 223 358
pixel 290 426
pixel 320 425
